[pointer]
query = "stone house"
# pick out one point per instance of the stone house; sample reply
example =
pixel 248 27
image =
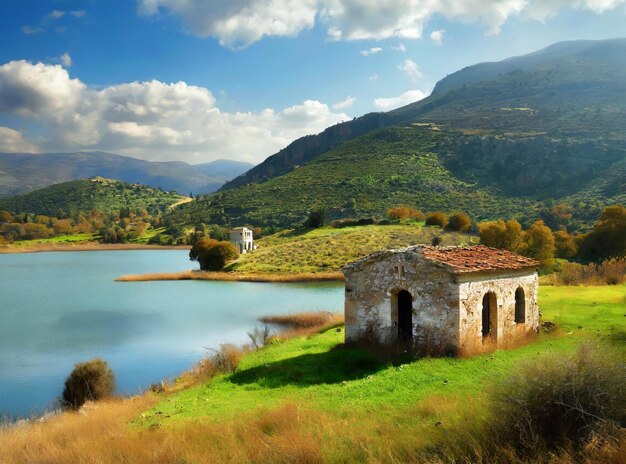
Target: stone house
pixel 242 238
pixel 444 299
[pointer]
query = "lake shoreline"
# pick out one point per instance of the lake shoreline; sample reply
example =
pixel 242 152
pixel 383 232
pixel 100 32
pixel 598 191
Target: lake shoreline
pixel 89 246
pixel 233 277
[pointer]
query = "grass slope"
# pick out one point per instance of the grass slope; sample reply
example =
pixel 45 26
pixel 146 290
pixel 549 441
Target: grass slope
pixel 430 169
pixel 89 194
pixel 328 249
pixel 350 384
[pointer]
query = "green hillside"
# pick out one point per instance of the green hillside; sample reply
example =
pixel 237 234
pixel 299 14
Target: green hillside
pixel 89 194
pixel 568 90
pixel 329 249
pixel 495 140
pixel 429 169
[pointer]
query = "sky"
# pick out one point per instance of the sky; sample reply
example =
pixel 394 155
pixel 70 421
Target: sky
pixel 199 80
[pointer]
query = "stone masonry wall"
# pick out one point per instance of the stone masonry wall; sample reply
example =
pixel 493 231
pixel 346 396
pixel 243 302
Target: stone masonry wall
pixel 472 289
pixel 371 299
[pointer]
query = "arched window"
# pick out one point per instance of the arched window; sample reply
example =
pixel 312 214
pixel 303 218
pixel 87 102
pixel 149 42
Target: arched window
pixel 489 314
pixel 520 306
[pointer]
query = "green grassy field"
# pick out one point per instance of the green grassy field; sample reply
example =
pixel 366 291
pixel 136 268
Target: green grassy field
pixel 72 238
pixel 317 373
pixel 328 249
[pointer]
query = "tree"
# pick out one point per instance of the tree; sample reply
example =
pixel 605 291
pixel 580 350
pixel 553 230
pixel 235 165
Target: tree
pixel 317 218
pixel 91 380
pixel 459 222
pixel 608 237
pixel 437 218
pixel 213 255
pixel 558 216
pixel 5 216
pixel 539 242
pixel 500 234
pixel 565 244
pixel 200 246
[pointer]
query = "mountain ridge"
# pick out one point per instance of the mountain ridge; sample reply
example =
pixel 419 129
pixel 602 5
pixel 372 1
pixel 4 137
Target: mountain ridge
pixel 23 172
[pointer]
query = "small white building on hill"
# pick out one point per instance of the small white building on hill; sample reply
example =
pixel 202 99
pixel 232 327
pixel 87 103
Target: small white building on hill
pixel 243 239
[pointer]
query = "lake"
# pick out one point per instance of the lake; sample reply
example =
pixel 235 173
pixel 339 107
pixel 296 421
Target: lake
pixel 57 309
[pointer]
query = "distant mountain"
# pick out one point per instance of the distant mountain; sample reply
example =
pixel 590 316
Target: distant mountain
pixel 570 89
pixel 21 172
pixel 225 169
pixel 496 140
pixel 88 194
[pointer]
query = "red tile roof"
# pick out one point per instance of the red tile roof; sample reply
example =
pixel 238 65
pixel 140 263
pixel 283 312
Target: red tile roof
pixel 477 258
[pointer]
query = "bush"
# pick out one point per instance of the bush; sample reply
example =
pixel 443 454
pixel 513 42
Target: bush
pixel 437 219
pixel 213 255
pixel 316 218
pixel 224 360
pixel 459 222
pixel 91 380
pixel 400 213
pixel 557 404
pixel 609 272
pixel 340 223
pixel 560 400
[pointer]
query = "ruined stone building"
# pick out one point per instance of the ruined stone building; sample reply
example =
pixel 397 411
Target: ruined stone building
pixel 242 238
pixel 448 299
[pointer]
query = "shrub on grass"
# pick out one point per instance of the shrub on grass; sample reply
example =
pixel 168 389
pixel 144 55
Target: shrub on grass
pixel 437 219
pixel 316 218
pixel 556 405
pixel 400 213
pixel 91 380
pixel 459 222
pixel 224 360
pixel 609 272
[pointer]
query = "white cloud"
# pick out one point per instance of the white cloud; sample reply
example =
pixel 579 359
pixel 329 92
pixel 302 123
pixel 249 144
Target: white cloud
pixel 78 13
pixel 405 98
pixel 30 30
pixel 238 23
pixel 347 103
pixel 66 60
pixel 12 141
pixel 55 14
pixel 410 68
pixel 437 36
pixel 399 48
pixel 373 77
pixel 150 120
pixel 371 51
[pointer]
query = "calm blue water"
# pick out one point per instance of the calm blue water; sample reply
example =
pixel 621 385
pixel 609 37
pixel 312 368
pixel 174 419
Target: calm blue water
pixel 57 309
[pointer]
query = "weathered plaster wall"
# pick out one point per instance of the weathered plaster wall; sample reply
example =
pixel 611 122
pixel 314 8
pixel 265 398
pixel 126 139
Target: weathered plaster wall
pixel 371 299
pixel 472 289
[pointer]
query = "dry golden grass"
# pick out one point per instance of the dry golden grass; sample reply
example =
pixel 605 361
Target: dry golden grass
pixel 609 272
pixel 304 324
pixel 288 433
pixel 234 277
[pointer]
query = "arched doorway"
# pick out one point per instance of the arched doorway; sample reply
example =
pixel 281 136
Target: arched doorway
pixel 489 314
pixel 405 317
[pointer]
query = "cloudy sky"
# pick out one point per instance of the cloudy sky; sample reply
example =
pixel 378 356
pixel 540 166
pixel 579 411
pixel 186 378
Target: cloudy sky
pixel 197 80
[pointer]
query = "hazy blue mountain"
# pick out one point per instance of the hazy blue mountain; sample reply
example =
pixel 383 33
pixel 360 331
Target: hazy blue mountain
pixel 20 172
